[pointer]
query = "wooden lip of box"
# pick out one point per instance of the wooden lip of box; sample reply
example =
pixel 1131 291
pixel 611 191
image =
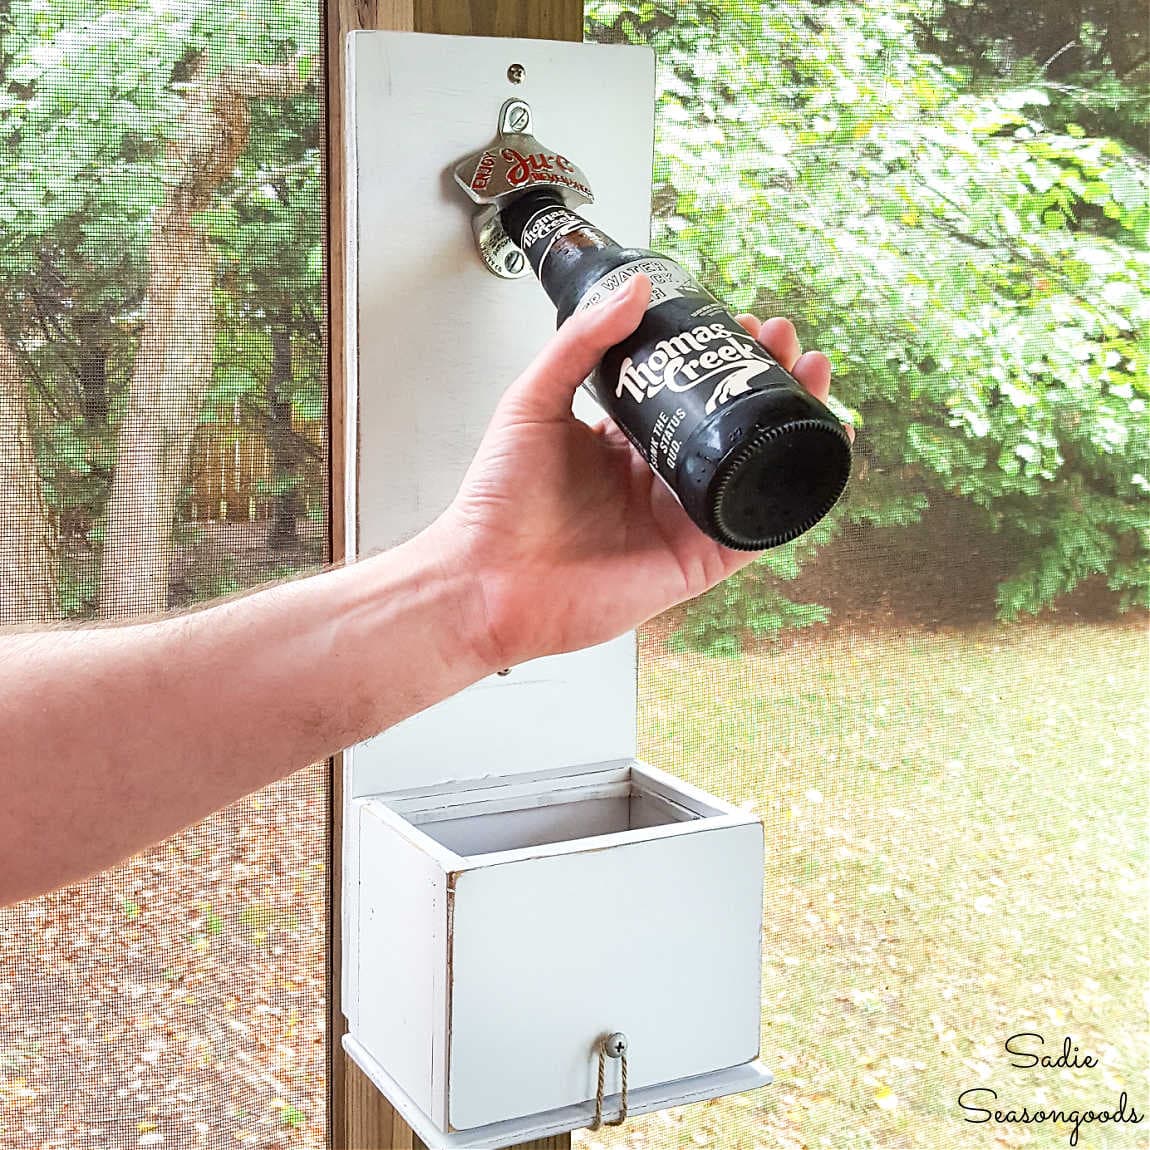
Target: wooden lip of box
pixel 517 884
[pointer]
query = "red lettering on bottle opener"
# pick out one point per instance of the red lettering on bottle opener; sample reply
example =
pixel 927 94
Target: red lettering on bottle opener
pixel 483 173
pixel 536 168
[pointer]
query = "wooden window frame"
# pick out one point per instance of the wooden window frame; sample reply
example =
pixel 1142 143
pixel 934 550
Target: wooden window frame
pixel 359 1117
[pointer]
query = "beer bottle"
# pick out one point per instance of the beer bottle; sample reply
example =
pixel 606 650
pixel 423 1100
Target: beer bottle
pixel 754 459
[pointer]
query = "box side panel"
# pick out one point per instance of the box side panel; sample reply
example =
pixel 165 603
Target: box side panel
pixel 658 938
pixel 349 903
pixel 402 956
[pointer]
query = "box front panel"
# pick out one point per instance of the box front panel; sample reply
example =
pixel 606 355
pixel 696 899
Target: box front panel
pixel 659 939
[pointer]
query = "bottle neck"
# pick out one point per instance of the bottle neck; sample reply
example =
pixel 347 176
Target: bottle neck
pixel 565 251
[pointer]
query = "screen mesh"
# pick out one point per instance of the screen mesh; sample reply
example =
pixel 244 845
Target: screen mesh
pixel 936 701
pixel 163 441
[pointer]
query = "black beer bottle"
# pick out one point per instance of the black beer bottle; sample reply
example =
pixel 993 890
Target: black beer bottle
pixel 751 455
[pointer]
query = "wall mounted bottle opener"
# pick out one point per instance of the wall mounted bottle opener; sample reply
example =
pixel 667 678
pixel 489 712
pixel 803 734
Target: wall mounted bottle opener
pixel 512 163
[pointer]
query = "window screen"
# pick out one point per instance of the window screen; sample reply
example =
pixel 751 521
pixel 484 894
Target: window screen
pixel 162 441
pixel 936 700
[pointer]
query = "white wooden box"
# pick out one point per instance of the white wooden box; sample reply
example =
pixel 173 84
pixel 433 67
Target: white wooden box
pixel 514 924
pixel 516 884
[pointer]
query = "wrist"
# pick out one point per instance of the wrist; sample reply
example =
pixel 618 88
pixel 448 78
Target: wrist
pixel 445 590
pixel 452 567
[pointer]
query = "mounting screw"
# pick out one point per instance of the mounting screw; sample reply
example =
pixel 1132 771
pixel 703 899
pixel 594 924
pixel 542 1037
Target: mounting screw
pixel 615 1045
pixel 505 671
pixel 514 262
pixel 515 116
pixel 516 73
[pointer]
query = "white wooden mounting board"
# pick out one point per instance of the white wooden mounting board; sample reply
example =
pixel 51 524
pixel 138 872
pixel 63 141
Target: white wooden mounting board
pixel 434 338
pixel 593 893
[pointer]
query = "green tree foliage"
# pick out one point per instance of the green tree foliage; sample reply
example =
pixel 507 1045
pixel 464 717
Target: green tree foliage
pixel 972 262
pixel 1093 56
pixel 91 100
pixel 267 230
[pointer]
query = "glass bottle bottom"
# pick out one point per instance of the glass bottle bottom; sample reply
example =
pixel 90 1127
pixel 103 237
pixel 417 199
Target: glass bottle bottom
pixel 779 483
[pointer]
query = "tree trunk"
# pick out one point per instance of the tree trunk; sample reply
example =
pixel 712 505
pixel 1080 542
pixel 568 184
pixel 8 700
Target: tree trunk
pixel 282 527
pixel 169 381
pixel 91 332
pixel 173 367
pixel 27 541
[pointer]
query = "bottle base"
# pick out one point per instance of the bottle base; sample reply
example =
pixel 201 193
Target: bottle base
pixel 779 483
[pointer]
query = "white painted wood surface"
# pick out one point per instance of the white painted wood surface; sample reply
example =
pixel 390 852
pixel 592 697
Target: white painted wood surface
pixel 557 712
pixel 437 337
pixel 658 938
pixel 734 1080
pixel 433 339
pixel 515 883
pixel 402 926
pixel 639 912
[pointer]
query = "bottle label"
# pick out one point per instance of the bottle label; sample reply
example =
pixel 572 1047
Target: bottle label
pixel 669 280
pixel 546 226
pixel 684 362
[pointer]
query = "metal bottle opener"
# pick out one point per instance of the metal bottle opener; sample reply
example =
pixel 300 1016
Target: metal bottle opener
pixel 512 163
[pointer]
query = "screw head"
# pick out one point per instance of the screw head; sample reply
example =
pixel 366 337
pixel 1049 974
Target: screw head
pixel 516 73
pixel 513 262
pixel 615 1045
pixel 518 119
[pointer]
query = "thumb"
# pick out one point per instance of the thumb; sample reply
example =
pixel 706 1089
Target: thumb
pixel 545 390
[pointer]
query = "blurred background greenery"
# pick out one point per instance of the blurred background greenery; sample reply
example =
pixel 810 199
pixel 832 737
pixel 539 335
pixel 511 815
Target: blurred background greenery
pixel 950 198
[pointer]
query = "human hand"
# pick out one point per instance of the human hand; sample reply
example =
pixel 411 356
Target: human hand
pixel 570 537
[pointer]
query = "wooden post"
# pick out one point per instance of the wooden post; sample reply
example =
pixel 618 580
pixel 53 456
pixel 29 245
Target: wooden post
pixel 359 1117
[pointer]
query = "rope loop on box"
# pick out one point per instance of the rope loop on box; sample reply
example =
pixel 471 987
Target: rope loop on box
pixel 611 1046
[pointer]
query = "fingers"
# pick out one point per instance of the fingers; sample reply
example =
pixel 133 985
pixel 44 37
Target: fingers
pixel 750 323
pixel 545 390
pixel 813 371
pixel 779 337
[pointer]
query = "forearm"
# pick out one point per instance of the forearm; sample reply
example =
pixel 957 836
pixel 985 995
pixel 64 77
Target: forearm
pixel 113 738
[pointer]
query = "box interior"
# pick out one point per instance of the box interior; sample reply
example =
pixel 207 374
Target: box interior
pixel 485 821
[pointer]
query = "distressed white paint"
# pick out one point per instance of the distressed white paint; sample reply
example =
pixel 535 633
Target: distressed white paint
pixel 562 921
pixel 515 882
pixel 403 940
pixel 557 712
pixel 436 339
pixel 656 937
pixel 432 341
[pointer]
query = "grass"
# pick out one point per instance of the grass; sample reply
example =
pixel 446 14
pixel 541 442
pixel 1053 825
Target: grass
pixel 956 853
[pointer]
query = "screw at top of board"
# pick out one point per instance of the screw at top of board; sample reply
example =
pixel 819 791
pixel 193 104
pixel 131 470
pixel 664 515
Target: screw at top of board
pixel 516 73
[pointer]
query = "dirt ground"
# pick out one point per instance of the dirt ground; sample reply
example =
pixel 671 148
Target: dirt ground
pixel 179 999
